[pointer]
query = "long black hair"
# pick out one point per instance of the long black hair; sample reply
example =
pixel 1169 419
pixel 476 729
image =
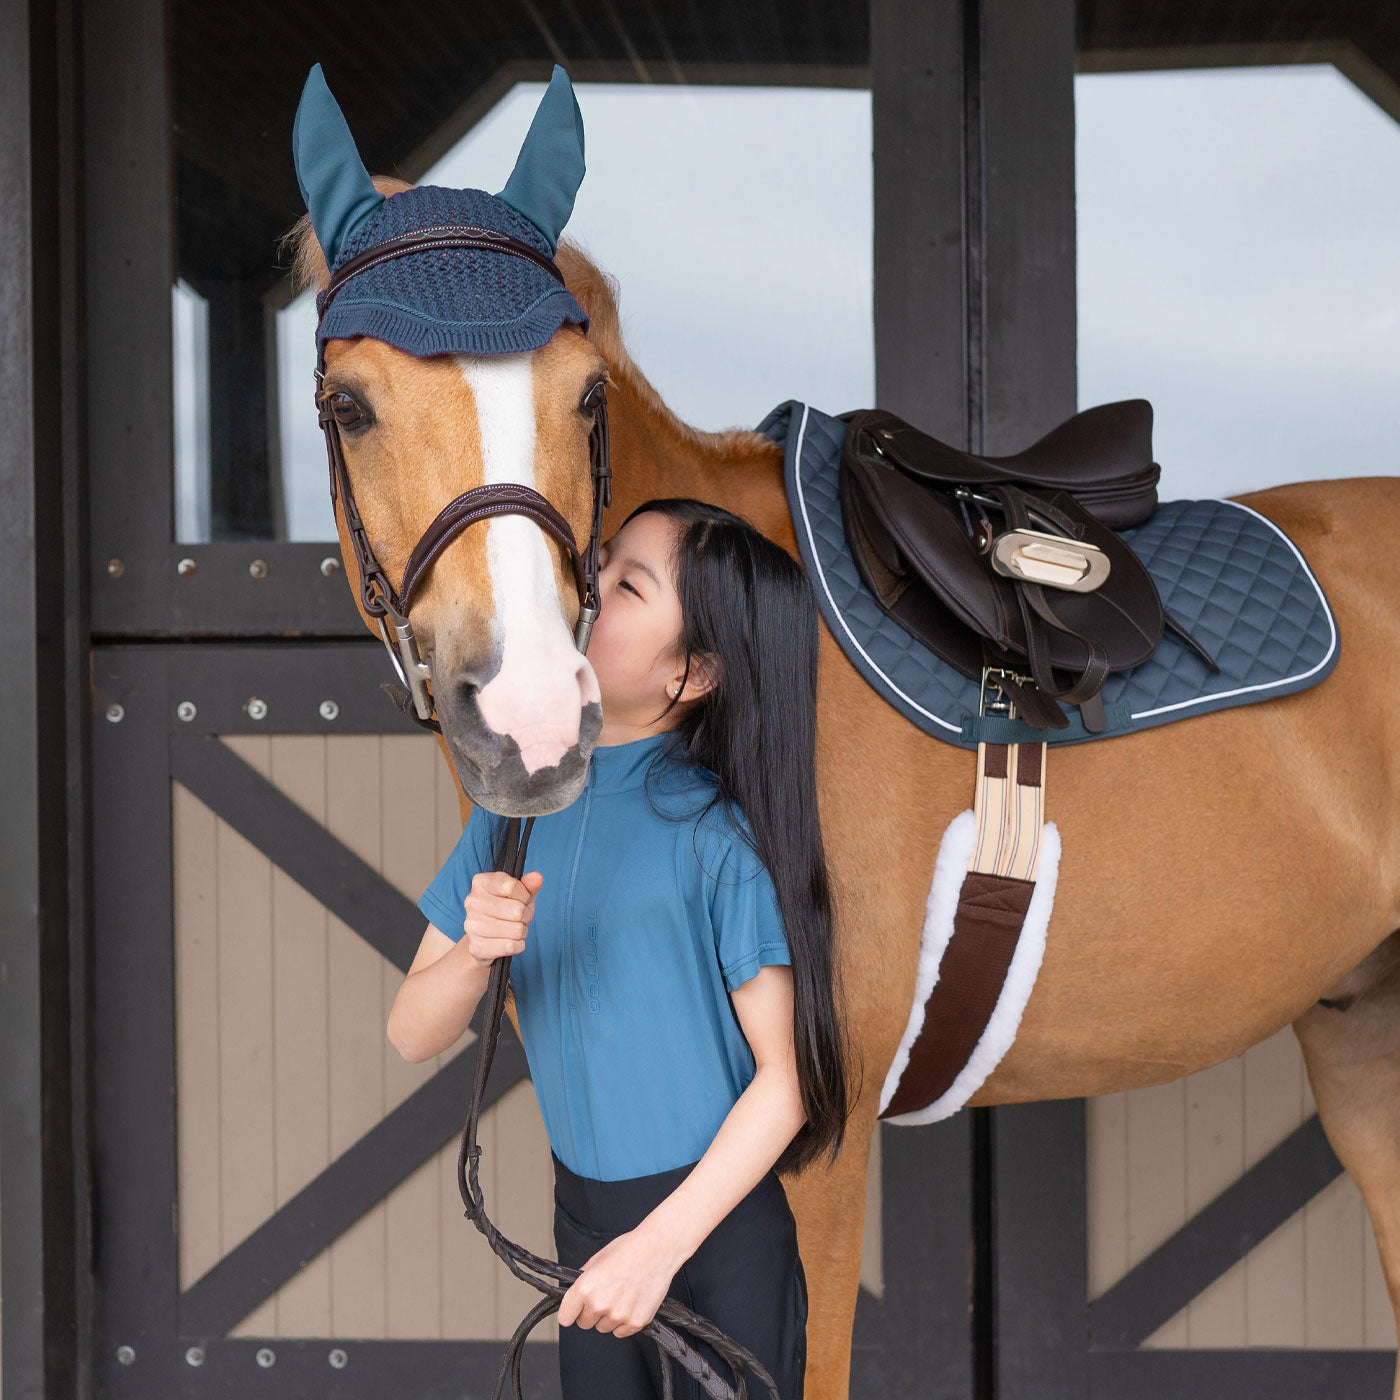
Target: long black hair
pixel 747 604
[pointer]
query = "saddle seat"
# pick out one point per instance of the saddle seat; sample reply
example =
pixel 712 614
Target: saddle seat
pixel 1102 456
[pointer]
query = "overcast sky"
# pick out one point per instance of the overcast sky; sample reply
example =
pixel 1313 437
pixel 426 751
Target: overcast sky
pixel 1238 261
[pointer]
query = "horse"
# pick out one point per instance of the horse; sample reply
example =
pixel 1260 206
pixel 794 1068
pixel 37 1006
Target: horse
pixel 1222 876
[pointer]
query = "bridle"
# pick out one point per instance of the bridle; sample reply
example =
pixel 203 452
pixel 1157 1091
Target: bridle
pixel 379 597
pixel 381 600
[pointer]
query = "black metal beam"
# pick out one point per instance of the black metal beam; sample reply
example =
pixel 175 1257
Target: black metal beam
pixel 1255 1373
pixel 332 1202
pixel 919 1340
pixel 914 1342
pixel 1018 121
pixel 327 869
pixel 1215 1239
pixel 332 1369
pixel 40 749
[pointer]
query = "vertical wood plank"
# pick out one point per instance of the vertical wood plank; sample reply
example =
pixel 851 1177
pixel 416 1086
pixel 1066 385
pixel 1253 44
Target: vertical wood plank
pixel 1215 1159
pixel 359 1304
pixel 1157 1182
pixel 1334 1267
pixel 194 859
pixel 246 1034
pixel 1106 1182
pixel 301 1021
pixel 408 832
pixel 1273 1107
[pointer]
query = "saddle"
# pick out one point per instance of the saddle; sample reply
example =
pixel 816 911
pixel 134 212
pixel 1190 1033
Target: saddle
pixel 1011 565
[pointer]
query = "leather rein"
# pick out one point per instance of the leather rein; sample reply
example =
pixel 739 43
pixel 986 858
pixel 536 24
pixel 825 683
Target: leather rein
pixel 381 600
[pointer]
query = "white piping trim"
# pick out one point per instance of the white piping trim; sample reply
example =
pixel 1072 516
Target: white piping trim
pixel 821 574
pixel 1005 1020
pixel 1282 680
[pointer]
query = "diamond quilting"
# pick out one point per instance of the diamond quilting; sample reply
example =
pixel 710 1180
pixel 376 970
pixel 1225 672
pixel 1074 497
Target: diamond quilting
pixel 1225 573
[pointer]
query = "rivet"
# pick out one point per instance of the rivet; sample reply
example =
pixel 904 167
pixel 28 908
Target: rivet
pixel 126 1355
pixel 266 1357
pixel 186 710
pixel 186 567
pixel 115 713
pixel 338 1358
pixel 329 709
pixel 330 566
pixel 257 709
pixel 258 568
pixel 116 568
pixel 195 1356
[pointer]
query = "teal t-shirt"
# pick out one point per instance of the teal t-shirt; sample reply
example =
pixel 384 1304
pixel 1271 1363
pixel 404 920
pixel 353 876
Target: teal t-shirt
pixel 642 927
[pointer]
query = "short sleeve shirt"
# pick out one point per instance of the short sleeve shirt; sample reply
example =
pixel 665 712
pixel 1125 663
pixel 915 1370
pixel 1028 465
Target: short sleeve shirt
pixel 647 919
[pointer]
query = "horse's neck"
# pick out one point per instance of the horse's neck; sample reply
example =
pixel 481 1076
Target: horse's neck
pixel 654 455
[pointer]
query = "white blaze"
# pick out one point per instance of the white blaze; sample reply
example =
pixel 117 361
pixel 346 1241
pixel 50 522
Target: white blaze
pixel 537 695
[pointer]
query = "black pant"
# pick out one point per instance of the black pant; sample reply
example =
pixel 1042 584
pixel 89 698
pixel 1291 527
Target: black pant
pixel 746 1277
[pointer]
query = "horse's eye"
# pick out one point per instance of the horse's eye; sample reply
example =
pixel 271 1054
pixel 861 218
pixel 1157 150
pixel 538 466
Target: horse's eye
pixel 593 400
pixel 346 411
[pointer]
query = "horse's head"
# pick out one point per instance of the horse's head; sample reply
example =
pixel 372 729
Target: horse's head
pixel 449 369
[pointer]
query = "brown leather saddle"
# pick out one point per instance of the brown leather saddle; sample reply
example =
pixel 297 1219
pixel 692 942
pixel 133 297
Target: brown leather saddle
pixel 1012 564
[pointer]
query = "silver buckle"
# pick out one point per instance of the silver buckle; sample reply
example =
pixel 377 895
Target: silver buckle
pixel 1004 707
pixel 1034 556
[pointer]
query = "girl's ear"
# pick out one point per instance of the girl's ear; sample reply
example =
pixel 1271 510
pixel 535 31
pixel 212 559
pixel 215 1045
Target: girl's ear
pixel 703 677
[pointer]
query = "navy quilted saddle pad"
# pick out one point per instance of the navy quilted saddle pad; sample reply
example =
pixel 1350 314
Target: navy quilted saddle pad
pixel 1229 575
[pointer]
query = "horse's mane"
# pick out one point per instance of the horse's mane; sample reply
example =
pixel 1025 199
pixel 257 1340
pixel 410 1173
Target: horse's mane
pixel 597 292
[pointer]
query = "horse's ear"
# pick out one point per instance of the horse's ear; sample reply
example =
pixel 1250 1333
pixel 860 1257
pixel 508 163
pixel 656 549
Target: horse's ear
pixel 549 168
pixel 335 185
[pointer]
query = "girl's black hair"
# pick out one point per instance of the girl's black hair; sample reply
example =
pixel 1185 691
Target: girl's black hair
pixel 747 604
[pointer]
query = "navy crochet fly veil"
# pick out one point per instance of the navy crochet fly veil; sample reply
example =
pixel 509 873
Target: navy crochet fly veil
pixel 441 301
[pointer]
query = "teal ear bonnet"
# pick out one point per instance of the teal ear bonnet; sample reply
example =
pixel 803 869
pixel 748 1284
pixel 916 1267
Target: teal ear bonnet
pixel 449 300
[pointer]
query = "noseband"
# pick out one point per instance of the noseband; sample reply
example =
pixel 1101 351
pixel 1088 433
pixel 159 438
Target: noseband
pixel 381 600
pixel 379 597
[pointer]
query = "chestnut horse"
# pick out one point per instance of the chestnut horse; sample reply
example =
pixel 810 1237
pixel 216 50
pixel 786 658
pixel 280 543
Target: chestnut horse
pixel 1197 912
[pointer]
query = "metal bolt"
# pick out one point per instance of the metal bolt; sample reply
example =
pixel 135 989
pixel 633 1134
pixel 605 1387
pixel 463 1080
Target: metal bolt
pixel 266 1357
pixel 338 1358
pixel 195 1356
pixel 115 713
pixel 330 566
pixel 186 567
pixel 258 568
pixel 116 568
pixel 257 709
pixel 126 1355
pixel 186 710
pixel 329 709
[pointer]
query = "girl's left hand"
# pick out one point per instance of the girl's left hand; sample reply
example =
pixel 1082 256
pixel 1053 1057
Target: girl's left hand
pixel 621 1286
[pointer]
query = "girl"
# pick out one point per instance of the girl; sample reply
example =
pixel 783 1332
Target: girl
pixel 678 1004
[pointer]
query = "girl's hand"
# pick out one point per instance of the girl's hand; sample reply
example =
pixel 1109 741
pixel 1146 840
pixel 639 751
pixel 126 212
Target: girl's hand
pixel 497 909
pixel 621 1286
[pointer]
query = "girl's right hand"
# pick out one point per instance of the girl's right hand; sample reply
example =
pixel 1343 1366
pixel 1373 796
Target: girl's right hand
pixel 498 908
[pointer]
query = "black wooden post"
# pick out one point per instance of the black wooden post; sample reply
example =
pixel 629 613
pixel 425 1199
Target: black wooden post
pixel 42 709
pixel 975 341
